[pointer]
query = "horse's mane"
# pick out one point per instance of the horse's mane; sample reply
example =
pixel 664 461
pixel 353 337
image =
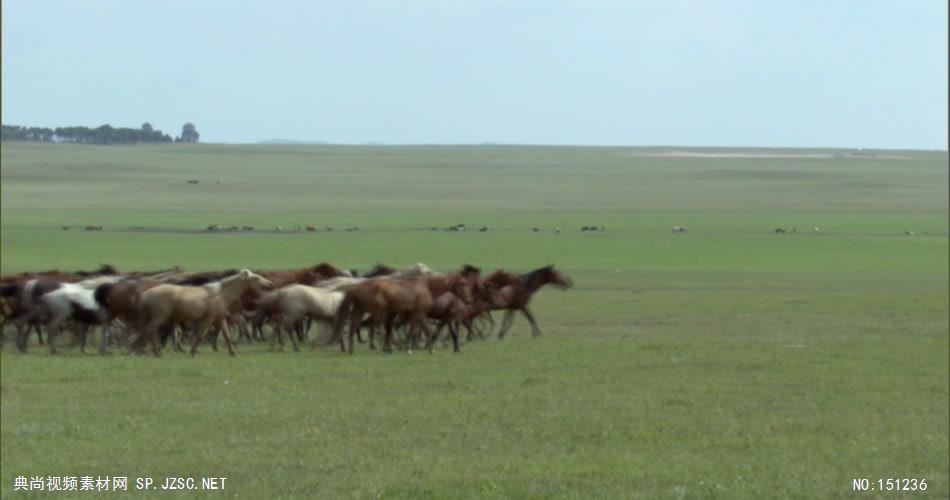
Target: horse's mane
pixel 380 270
pixel 503 277
pixel 326 270
pixel 418 269
pixel 204 278
pixel 541 271
pixel 104 270
pixel 470 269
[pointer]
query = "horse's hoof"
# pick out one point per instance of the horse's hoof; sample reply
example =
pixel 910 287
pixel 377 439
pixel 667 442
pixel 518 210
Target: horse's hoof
pixel 104 352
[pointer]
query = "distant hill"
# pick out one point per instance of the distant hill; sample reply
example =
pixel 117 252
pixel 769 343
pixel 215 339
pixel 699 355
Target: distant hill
pixel 290 141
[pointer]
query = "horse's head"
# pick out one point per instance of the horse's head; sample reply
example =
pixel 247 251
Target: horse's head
pixel 557 278
pixel 461 287
pixel 256 281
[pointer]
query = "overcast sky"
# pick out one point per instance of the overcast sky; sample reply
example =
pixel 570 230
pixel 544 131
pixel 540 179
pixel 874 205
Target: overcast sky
pixel 861 73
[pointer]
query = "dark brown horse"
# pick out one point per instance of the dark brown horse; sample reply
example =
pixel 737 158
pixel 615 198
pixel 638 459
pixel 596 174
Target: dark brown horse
pixel 516 290
pixel 451 311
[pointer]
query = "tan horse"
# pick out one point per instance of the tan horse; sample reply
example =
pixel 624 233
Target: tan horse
pixel 208 305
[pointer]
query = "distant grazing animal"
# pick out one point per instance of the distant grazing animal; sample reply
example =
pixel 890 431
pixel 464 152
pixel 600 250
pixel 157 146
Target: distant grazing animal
pixel 602 228
pixel 816 230
pixel 192 181
pixel 909 232
pixel 329 228
pixel 679 229
pixel 352 229
pixel 93 228
pixel 779 230
pixel 213 228
pixel 278 229
pixel 247 228
pixel 65 228
pixel 483 229
pixel 535 229
pixel 311 228
pixel 232 229
pixel 557 230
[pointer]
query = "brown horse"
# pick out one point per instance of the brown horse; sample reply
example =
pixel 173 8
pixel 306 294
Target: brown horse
pixel 515 291
pixel 450 310
pixel 384 298
pixel 408 299
pixel 209 304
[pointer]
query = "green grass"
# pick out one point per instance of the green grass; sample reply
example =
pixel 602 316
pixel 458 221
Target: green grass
pixel 724 362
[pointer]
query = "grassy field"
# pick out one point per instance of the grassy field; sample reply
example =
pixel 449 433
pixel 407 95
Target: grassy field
pixel 723 362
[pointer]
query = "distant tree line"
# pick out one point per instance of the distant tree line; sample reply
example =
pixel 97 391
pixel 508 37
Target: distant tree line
pixel 106 134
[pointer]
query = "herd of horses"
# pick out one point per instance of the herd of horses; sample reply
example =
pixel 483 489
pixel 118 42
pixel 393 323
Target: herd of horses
pixel 146 310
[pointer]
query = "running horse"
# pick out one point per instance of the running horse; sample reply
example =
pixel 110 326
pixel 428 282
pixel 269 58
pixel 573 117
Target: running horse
pixel 210 305
pixel 515 292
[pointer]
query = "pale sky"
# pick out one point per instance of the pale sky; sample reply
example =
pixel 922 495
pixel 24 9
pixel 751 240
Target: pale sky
pixel 842 73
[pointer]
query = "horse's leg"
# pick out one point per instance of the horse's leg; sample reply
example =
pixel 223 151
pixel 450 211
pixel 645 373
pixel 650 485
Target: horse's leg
pixel 435 336
pixel 22 331
pixel 227 337
pixel 535 331
pixel 54 329
pixel 454 330
pixel 422 328
pixel 478 322
pixel 39 331
pixel 104 334
pixel 278 334
pixel 178 332
pixel 257 326
pixel 212 334
pixel 305 334
pixel 243 332
pixel 292 334
pixel 506 323
pixel 151 335
pixel 83 334
pixel 197 335
pixel 354 325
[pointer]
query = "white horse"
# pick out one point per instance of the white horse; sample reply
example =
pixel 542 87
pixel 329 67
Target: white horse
pixel 293 303
pixel 74 301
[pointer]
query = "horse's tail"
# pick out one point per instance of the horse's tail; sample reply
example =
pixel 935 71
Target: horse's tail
pixel 341 314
